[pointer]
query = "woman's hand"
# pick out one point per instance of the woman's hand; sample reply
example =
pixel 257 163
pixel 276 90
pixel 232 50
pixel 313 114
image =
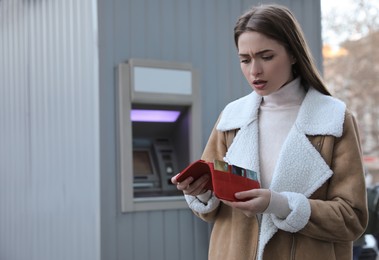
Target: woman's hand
pixel 191 187
pixel 253 201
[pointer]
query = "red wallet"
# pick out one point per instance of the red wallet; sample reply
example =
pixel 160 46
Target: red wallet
pixel 223 183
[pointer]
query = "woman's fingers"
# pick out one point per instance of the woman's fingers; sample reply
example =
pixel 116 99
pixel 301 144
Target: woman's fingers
pixel 194 188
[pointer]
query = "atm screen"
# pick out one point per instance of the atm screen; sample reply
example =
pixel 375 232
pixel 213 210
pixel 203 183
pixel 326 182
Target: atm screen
pixel 142 163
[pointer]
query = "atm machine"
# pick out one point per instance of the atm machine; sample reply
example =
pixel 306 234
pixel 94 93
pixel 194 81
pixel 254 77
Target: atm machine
pixel 157 135
pixel 159 130
pixel 153 166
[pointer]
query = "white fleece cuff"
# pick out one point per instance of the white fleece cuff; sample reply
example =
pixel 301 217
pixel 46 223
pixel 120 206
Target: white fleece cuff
pixel 205 197
pixel 196 205
pixel 299 216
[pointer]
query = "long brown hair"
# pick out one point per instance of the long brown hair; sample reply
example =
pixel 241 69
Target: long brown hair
pixel 278 23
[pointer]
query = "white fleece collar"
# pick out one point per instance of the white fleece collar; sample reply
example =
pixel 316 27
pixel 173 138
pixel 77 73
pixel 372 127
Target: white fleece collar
pixel 318 115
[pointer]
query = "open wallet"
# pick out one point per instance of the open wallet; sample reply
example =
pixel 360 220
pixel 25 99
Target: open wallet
pixel 225 179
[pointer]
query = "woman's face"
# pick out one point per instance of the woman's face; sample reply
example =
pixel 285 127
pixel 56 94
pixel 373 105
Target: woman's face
pixel 265 63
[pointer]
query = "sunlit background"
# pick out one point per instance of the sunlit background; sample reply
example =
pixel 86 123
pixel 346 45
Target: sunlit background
pixel 350 32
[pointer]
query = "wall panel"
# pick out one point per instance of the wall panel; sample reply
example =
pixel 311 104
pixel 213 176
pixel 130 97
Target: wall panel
pixel 49 131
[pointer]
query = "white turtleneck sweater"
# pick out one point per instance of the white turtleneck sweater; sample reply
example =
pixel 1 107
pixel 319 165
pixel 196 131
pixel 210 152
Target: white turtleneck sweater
pixel 277 115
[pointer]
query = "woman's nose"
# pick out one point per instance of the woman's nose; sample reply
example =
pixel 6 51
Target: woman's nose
pixel 255 69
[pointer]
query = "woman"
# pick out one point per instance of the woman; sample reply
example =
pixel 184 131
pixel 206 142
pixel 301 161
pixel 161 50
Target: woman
pixel 303 144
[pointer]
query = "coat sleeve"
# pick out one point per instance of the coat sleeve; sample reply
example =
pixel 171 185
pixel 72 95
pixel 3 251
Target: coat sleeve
pixel 339 207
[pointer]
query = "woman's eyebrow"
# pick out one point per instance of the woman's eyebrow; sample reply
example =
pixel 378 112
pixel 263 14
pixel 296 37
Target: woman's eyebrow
pixel 254 54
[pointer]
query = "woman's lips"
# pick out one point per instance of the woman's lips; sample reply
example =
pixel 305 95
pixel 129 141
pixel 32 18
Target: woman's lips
pixel 259 84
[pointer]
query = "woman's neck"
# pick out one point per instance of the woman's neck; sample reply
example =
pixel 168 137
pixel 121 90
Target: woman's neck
pixel 289 95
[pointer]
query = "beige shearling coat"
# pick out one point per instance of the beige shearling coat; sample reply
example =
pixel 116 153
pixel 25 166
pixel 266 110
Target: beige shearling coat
pixel 319 170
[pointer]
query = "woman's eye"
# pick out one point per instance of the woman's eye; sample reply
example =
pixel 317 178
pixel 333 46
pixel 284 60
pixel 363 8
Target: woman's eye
pixel 244 61
pixel 267 57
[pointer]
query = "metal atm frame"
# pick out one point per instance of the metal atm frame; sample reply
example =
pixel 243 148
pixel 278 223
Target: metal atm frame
pixel 165 85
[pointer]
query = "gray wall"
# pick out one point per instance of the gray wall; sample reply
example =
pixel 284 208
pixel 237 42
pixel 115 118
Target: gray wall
pixel 197 32
pixel 49 131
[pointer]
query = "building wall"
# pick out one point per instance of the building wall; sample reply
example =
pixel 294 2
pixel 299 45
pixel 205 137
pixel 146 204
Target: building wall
pixel 197 32
pixel 49 130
